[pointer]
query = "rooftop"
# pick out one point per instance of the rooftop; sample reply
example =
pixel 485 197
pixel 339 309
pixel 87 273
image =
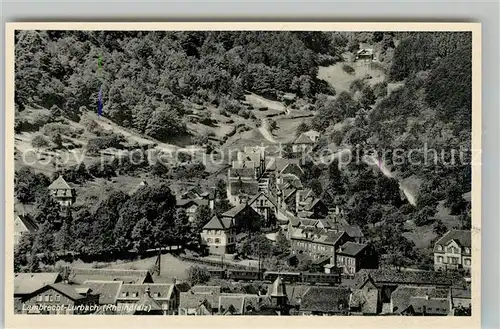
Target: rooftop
pixel 59 184
pixel 107 290
pixel 326 299
pixel 26 283
pixel 462 237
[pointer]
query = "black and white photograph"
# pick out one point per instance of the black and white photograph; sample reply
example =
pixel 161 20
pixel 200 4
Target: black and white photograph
pixel 244 172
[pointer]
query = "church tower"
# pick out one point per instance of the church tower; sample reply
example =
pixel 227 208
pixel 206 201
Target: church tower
pixel 278 295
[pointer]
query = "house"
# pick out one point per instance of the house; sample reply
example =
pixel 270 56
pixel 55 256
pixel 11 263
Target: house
pixel 365 54
pixel 313 135
pixel 453 251
pixel 219 235
pixel 165 295
pixel 62 192
pixel 61 298
pixel 303 143
pixel 388 280
pixel 108 290
pixel 191 206
pixel 147 305
pixel 138 187
pixel 325 301
pixel 364 301
pixel 200 300
pixel 461 298
pixel 317 243
pixel 27 283
pixel 266 205
pixel 315 208
pixel 22 225
pixel 352 257
pixel 240 189
pixel 244 217
pixel 408 300
pixel 80 275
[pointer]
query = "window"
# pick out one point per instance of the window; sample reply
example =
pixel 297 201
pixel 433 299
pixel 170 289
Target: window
pixel 217 240
pixel 155 294
pixel 440 248
pixel 124 294
pixel 46 298
pixel 467 250
pixel 440 259
pixel 39 298
pixel 51 298
pixel 58 298
pixel 209 240
pixel 467 262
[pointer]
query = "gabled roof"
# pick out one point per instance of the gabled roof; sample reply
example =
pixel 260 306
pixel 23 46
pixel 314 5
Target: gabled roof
pixel 460 293
pixel 193 299
pixel 159 291
pixel 29 223
pixel 217 224
pixel 107 290
pixel 366 300
pixel 26 283
pixel 68 290
pixel 233 212
pixel 326 299
pixel 59 184
pixel 462 237
pixel 279 164
pixel 146 302
pixel 303 139
pixel 268 197
pixel 351 249
pixel 81 275
pixel 227 302
pixel 403 297
pixel 312 204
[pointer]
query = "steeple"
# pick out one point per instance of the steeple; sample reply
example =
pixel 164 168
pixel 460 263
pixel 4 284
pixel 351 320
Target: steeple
pixel 278 290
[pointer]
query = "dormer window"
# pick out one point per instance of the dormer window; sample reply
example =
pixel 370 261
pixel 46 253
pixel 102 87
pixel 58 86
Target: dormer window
pixel 440 248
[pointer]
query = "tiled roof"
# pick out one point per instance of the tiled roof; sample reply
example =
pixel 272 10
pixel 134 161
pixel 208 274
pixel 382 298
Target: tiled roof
pixel 68 290
pixel 192 299
pixel 215 224
pixel 462 237
pixel 321 260
pixel 308 222
pixel 59 184
pixel 268 197
pixel 351 249
pixel 381 276
pixel 28 222
pixel 366 300
pixel 312 204
pixel 354 231
pixel 235 304
pixel 207 289
pixel 158 291
pixel 107 290
pixel 235 210
pixel 435 306
pixel 103 274
pixel 461 293
pixel 326 299
pixel 279 164
pixel 26 283
pixel 402 297
pixel 190 202
pixel 148 303
pixel 303 139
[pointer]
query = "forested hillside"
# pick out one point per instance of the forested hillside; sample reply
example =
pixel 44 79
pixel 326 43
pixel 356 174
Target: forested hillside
pixel 146 76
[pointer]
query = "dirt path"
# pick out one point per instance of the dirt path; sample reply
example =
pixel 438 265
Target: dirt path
pixel 370 160
pixel 264 130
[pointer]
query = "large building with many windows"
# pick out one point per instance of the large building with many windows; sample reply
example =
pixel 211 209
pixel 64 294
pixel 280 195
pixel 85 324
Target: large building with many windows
pixel 453 251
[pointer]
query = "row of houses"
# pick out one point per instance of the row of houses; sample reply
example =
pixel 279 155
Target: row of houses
pixel 371 292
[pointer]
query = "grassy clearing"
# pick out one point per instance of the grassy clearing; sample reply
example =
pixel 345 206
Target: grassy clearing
pixel 340 80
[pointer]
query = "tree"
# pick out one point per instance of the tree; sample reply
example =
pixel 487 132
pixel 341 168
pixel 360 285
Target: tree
pixel 367 97
pixel 282 246
pixel 58 141
pixel 63 238
pixel 198 275
pixel 28 184
pixel 182 227
pixel 47 210
pixel 256 245
pixel 141 236
pixel 316 186
pixel 439 228
pixel 39 141
pixel 220 189
pixel 302 128
pixel 43 239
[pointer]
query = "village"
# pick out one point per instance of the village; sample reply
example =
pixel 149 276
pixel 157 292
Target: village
pixel 266 194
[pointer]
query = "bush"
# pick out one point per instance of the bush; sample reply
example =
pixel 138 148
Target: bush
pixel 39 141
pixel 348 69
pixel 380 89
pixel 198 275
pixel 52 129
